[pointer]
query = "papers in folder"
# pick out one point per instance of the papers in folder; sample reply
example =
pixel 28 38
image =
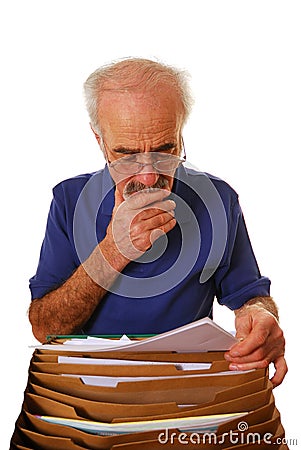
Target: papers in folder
pixel 199 336
pixel 128 362
pixel 200 424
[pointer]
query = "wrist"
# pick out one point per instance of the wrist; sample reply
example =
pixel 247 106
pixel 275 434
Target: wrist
pixel 264 303
pixel 111 254
pixel 104 264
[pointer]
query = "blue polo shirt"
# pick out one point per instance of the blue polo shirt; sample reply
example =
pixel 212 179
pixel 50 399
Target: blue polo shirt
pixel 208 254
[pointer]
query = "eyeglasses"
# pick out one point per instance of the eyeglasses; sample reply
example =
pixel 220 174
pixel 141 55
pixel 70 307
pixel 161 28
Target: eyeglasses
pixel 161 163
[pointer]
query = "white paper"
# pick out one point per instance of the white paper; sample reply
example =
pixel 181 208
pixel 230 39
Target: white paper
pixel 106 381
pixel 131 362
pixel 199 336
pixel 91 340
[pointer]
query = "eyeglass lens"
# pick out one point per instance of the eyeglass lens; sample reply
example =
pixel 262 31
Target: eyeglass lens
pixel 160 162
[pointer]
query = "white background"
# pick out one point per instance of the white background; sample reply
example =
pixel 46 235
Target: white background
pixel 244 61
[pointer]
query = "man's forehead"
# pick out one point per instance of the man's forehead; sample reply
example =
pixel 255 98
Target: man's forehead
pixel 138 98
pixel 139 110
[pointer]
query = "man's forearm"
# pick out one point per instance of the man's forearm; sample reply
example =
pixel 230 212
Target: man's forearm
pixel 66 309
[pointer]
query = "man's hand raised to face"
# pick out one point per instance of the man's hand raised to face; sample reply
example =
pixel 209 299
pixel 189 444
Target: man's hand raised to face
pixel 139 220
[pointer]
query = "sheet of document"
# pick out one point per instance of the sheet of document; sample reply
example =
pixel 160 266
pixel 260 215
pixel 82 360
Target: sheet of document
pixel 106 381
pixel 103 342
pixel 130 362
pixel 199 336
pixel 199 424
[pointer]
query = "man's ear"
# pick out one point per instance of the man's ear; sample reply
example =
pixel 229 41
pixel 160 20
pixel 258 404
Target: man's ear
pixel 97 136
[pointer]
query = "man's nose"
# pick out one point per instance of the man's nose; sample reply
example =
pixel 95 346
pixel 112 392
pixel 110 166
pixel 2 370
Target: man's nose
pixel 147 175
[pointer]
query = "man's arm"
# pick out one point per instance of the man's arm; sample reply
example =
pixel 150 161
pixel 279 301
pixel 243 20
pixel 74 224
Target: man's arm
pixel 261 338
pixel 66 309
pixel 135 224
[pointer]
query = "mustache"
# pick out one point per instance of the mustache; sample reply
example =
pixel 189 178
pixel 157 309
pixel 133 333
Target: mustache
pixel 136 186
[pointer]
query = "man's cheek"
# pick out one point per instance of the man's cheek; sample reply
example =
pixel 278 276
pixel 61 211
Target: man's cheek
pixel 120 180
pixel 170 181
pixel 121 185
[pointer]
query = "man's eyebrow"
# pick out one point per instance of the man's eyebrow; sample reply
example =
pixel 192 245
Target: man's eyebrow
pixel 165 147
pixel 160 148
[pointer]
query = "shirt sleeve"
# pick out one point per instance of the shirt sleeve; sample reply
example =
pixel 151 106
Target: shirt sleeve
pixel 57 259
pixel 239 279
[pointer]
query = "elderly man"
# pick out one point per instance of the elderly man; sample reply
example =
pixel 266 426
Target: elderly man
pixel 146 244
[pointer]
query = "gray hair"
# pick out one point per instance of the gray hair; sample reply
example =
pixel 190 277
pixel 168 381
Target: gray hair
pixel 130 74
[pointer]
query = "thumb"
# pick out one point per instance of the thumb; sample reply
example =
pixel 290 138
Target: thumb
pixel 243 325
pixel 243 328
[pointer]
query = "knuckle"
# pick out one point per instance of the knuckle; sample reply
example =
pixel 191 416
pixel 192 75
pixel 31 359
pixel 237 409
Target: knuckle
pixel 136 229
pixel 153 222
pixel 279 335
pixel 157 221
pixel 161 220
pixel 144 242
pixel 268 321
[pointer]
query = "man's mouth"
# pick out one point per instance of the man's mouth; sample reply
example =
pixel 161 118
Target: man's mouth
pixel 136 186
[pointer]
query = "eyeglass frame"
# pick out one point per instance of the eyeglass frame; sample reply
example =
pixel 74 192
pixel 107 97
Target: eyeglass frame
pixel 181 160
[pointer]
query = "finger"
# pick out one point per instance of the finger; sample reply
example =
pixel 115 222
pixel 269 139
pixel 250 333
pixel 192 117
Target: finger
pixel 268 353
pixel 145 239
pixel 142 227
pixel 146 197
pixel 154 220
pixel 280 368
pixel 262 364
pixel 155 234
pixel 157 208
pixel 252 342
pixel 159 221
pixel 280 371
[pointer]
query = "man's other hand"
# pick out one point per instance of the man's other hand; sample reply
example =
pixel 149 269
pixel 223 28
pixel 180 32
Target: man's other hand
pixel 261 342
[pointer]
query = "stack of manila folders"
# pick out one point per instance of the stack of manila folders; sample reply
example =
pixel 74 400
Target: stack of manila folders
pixel 145 393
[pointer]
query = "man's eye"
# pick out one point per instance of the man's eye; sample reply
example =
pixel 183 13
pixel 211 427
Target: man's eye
pixel 131 158
pixel 164 157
